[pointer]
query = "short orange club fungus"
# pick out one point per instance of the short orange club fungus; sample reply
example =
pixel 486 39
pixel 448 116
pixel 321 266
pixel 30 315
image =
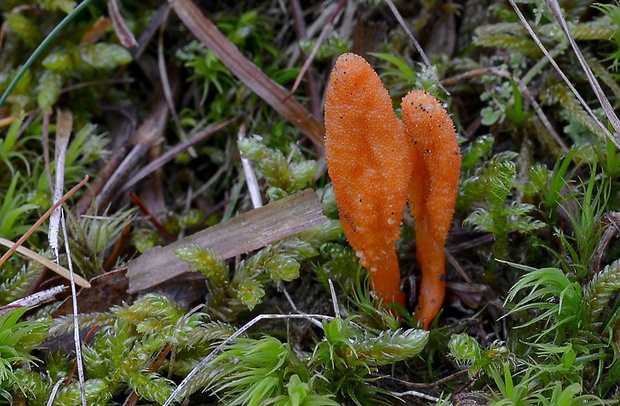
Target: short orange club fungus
pixel 369 159
pixel 434 186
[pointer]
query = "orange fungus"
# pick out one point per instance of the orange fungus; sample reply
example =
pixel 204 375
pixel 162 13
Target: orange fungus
pixel 377 163
pixel 368 156
pixel 432 196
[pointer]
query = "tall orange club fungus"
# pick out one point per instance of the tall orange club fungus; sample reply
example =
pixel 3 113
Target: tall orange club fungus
pixel 434 186
pixel 369 161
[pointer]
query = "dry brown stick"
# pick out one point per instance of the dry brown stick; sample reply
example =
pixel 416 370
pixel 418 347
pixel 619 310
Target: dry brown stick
pixel 417 45
pixel 261 84
pixel 315 49
pixel 174 151
pixel 3 28
pixel 149 32
pixel 311 84
pixel 124 160
pixel 153 220
pixel 64 126
pixel 244 233
pixel 45 133
pixel 99 182
pixel 438 382
pixel 167 89
pixel 33 300
pixel 610 223
pixel 159 359
pixel 111 178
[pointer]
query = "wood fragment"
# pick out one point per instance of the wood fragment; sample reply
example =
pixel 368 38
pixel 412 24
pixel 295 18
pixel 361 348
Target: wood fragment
pixel 244 233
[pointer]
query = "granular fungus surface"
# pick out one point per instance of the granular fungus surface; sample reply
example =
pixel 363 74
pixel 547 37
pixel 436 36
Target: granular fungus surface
pixel 433 191
pixel 368 160
pixel 377 163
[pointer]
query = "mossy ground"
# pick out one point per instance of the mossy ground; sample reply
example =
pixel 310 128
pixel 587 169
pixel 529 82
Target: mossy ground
pixel 531 314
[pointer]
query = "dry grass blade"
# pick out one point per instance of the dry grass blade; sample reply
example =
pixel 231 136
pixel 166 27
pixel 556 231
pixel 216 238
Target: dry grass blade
pixel 64 125
pixel 112 177
pixel 244 233
pixel 76 322
pixel 315 49
pixel 312 86
pixel 174 152
pixel 169 93
pixel 451 81
pixel 156 363
pixel 596 87
pixel 64 272
pixel 417 45
pixel 17 246
pixel 250 176
pixel 220 348
pixel 274 94
pixel 561 73
pixel 123 33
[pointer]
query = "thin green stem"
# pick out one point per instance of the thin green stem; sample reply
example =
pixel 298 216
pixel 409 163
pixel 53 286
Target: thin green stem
pixel 37 52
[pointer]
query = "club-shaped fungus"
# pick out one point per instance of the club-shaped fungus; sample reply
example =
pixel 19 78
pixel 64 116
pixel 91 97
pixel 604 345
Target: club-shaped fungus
pixel 377 163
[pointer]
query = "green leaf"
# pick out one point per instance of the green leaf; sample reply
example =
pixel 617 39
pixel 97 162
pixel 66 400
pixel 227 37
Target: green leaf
pixel 274 167
pixel 66 6
pixel 250 293
pixel 58 61
pixel 283 267
pixel 406 71
pixel 490 116
pixel 478 150
pixel 391 346
pixel 24 27
pixel 103 56
pixel 49 89
pixel 206 261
